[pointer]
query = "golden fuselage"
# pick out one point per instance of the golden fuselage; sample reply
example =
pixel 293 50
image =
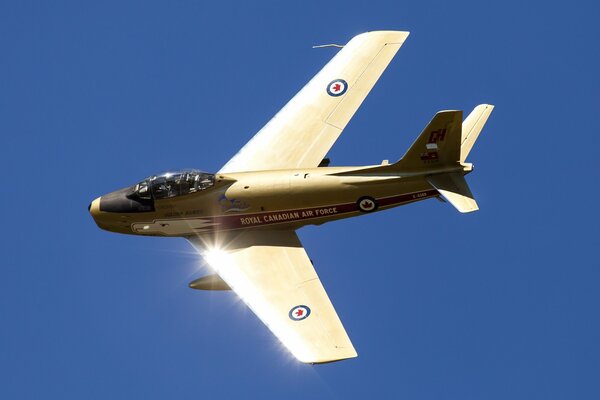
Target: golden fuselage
pixel 281 199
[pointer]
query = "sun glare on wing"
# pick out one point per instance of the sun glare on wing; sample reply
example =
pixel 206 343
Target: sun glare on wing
pixel 216 258
pixel 223 263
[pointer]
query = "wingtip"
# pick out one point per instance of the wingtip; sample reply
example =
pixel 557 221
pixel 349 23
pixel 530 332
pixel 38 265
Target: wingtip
pixel 350 353
pixel 330 361
pixel 395 36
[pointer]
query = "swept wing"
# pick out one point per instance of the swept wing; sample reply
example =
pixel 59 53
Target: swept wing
pixel 303 131
pixel 271 272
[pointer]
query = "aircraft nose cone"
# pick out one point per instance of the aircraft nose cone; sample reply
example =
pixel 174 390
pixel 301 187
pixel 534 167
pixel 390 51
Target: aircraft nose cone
pixel 94 207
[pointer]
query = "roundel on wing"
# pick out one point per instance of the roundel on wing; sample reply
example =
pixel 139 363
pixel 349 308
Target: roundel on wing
pixel 298 313
pixel 367 204
pixel 337 87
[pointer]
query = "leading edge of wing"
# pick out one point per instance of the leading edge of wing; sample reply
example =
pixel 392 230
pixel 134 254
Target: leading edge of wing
pixel 303 131
pixel 272 274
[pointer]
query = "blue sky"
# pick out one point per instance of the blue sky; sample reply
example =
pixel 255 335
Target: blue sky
pixel 498 304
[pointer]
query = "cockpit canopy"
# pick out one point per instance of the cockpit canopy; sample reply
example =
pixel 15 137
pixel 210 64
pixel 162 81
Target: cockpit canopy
pixel 172 184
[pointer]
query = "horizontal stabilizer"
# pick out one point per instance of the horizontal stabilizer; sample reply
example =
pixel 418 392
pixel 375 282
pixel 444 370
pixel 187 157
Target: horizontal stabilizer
pixel 454 188
pixel 472 127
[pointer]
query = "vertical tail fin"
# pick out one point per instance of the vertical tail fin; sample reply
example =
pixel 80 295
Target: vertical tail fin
pixel 437 146
pixel 446 141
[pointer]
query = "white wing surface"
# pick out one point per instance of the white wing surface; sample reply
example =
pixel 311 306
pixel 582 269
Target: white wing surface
pixel 303 131
pixel 272 274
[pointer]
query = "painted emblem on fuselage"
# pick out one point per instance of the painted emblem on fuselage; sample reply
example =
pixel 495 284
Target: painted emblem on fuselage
pixel 367 204
pixel 337 87
pixel 299 313
pixel 232 205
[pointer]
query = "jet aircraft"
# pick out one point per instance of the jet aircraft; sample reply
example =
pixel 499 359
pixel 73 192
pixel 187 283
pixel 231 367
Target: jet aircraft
pixel 243 218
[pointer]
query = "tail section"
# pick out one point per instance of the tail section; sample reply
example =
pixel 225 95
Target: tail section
pixel 440 152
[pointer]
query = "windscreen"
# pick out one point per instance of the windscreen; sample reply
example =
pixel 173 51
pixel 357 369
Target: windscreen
pixel 172 184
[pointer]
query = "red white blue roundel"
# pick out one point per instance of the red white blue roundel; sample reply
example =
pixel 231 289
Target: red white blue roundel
pixel 367 204
pixel 337 87
pixel 299 313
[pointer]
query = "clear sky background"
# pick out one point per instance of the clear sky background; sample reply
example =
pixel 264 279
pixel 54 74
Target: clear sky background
pixel 499 304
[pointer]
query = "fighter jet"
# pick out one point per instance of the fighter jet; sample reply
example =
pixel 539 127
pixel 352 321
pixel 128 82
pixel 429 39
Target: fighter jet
pixel 243 218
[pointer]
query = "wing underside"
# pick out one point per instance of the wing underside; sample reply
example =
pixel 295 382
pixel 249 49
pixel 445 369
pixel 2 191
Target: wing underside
pixel 303 131
pixel 272 274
